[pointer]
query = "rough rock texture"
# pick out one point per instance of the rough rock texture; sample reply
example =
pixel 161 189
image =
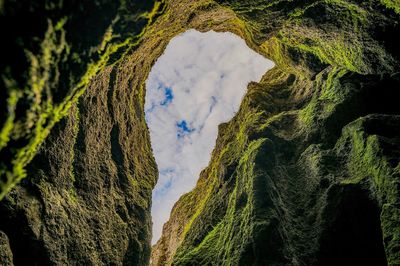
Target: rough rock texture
pixel 307 172
pixel 6 256
pixel 86 198
pixel 51 49
pixel 87 192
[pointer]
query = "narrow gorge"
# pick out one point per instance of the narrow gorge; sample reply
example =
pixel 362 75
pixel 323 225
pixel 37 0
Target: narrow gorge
pixel 307 172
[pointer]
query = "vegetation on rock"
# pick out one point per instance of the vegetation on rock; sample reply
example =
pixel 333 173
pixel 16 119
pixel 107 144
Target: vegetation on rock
pixel 293 180
pixel 306 173
pixel 73 126
pixel 48 62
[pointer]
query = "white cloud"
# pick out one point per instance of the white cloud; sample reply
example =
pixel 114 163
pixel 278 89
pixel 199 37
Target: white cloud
pixel 194 86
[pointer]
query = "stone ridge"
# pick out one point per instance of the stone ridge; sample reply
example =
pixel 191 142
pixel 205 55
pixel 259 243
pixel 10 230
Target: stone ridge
pixel 307 172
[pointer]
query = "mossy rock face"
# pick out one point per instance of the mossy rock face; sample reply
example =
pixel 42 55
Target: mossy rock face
pixel 76 164
pixel 300 195
pixel 306 173
pixel 50 52
pixel 298 177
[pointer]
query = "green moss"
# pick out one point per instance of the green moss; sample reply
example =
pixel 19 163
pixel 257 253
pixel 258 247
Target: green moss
pixel 75 131
pixel 343 45
pixel 73 195
pixel 392 4
pixel 328 94
pixel 9 124
pixel 367 161
pixel 322 50
pixel 199 208
pixel 46 115
pixel 350 12
pixel 337 51
pixel 228 240
pixel 275 50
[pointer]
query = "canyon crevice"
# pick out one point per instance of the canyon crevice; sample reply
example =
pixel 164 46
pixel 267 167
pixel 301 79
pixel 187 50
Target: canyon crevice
pixel 306 173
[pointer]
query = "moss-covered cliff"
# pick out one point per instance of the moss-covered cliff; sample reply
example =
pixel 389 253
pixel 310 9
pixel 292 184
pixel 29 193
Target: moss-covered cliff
pixel 76 165
pixel 306 173
pixel 50 52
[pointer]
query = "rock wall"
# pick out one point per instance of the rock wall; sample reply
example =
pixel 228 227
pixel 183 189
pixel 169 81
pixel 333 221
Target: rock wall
pixel 306 173
pixel 77 169
pixel 51 51
pixel 6 256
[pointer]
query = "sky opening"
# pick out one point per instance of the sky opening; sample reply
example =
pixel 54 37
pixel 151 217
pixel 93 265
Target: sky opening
pixel 197 84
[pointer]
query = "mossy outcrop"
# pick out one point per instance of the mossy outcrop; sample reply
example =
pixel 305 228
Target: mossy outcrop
pixel 50 52
pixel 306 173
pixel 76 164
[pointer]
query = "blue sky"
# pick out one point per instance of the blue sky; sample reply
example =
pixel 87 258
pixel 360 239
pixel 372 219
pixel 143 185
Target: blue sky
pixel 197 84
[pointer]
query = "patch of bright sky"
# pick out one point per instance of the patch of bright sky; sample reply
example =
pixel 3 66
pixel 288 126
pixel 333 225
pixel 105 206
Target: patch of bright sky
pixel 197 84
